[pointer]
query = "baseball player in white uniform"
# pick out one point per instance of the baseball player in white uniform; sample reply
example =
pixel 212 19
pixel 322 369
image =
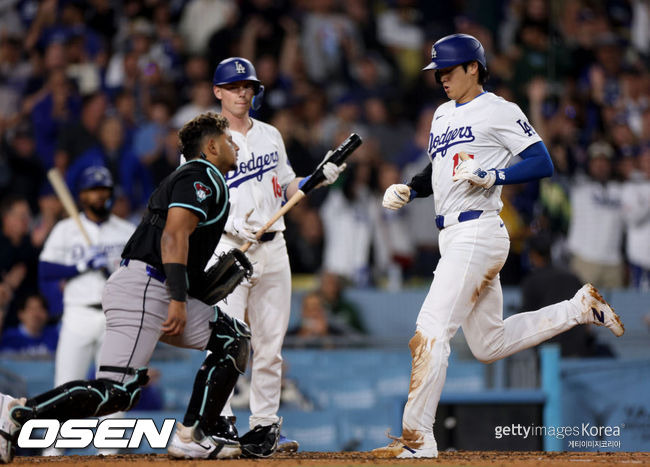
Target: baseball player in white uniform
pixel 473 138
pixel 67 256
pixel 262 181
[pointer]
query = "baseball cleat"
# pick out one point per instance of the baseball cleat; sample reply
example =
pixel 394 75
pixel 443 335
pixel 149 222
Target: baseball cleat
pixel 184 445
pixel 261 441
pixel 598 311
pixel 8 428
pixel 287 445
pixel 399 450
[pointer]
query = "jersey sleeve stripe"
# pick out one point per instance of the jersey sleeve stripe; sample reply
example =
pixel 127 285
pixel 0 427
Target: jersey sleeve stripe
pixel 189 206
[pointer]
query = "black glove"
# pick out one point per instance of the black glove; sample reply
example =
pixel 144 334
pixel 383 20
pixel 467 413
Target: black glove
pixel 221 279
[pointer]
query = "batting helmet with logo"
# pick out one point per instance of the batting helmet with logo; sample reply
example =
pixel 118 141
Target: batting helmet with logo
pixel 235 69
pixel 95 176
pixel 454 50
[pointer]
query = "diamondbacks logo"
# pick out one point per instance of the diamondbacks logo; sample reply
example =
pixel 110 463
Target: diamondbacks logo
pixel 239 68
pixel 202 191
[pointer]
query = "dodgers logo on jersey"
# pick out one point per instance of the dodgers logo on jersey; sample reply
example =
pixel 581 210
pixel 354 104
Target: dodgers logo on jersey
pixel 451 137
pixel 255 167
pixel 202 191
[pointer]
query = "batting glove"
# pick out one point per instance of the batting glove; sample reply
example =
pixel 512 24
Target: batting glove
pixel 243 229
pixel 331 171
pixel 469 170
pixel 396 196
pixel 94 260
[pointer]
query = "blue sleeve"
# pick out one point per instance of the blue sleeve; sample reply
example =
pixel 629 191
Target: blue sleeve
pixel 535 164
pixel 55 271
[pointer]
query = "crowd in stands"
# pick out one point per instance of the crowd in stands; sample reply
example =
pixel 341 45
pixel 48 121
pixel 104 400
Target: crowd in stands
pixel 98 82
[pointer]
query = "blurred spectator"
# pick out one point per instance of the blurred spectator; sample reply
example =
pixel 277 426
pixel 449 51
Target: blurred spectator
pixel 149 137
pixel 332 294
pixel 14 74
pixel 384 126
pixel 167 159
pixel 33 337
pixel 24 170
pixel 304 236
pixel 202 18
pixel 547 284
pixel 202 101
pixel 636 211
pixel 80 135
pixel 316 329
pixel 596 229
pixel 18 256
pixel 132 180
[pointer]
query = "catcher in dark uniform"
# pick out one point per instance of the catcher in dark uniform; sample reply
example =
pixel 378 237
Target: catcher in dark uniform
pixel 162 292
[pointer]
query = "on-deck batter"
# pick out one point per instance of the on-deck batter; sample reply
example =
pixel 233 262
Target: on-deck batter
pixel 473 138
pixel 262 180
pixel 67 256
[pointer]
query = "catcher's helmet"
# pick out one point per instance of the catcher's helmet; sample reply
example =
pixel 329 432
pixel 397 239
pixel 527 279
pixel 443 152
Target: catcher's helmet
pixel 455 50
pixel 95 176
pixel 235 69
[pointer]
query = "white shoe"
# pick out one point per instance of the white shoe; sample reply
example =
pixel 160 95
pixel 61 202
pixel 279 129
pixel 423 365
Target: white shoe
pixel 398 449
pixel 184 445
pixel 7 427
pixel 598 311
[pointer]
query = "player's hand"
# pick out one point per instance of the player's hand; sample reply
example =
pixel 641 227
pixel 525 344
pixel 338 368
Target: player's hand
pixel 176 318
pixel 468 169
pixel 95 259
pixel 243 229
pixel 331 171
pixel 396 196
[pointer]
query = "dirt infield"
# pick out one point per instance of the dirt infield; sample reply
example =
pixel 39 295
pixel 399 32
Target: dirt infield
pixel 308 459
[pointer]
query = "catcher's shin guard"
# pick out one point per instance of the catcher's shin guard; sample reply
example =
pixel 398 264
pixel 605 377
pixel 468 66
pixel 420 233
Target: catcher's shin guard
pixel 81 399
pixel 229 347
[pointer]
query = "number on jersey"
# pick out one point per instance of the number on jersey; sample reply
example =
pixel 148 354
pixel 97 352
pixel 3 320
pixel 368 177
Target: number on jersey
pixel 277 189
pixel 457 160
pixel 526 127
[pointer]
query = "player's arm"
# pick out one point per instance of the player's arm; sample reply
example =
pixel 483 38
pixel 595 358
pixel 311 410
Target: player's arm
pixel 174 248
pixel 536 163
pixel 399 194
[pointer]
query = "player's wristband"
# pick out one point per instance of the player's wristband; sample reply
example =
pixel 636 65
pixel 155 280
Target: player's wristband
pixel 177 282
pixel 303 181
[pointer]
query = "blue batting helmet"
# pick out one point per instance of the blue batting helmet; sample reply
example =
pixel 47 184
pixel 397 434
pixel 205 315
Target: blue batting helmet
pixel 95 176
pixel 235 69
pixel 454 50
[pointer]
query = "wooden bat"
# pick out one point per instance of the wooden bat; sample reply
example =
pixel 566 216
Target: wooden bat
pixel 338 157
pixel 62 191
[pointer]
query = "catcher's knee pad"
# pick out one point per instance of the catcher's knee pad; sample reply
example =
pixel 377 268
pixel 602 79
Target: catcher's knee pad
pixel 229 347
pixel 81 399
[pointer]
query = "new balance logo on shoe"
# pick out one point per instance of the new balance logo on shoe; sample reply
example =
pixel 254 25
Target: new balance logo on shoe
pixel 600 316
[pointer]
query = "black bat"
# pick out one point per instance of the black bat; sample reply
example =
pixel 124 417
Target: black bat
pixel 338 157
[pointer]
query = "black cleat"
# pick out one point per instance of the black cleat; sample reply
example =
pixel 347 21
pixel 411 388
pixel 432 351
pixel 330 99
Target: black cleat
pixel 261 441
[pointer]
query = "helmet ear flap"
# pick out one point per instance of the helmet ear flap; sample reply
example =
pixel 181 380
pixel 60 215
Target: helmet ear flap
pixel 257 98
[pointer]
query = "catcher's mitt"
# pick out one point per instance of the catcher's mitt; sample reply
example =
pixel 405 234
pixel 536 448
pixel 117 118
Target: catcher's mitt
pixel 221 279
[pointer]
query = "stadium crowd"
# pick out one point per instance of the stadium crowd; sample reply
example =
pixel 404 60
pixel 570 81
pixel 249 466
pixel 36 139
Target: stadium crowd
pixel 111 82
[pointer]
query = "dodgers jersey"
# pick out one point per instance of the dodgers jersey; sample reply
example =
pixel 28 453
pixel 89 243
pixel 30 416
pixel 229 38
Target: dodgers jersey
pixel 263 173
pixel 66 245
pixel 489 129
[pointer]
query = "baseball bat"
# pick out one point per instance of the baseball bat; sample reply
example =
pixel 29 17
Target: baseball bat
pixel 338 157
pixel 62 191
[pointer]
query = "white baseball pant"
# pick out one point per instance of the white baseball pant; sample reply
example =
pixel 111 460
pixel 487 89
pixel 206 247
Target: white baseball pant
pixel 466 292
pixel 264 303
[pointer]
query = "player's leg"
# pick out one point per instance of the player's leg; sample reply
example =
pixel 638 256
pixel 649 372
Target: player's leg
pixel 81 329
pixel 228 343
pixel 468 256
pixel 268 314
pixel 491 338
